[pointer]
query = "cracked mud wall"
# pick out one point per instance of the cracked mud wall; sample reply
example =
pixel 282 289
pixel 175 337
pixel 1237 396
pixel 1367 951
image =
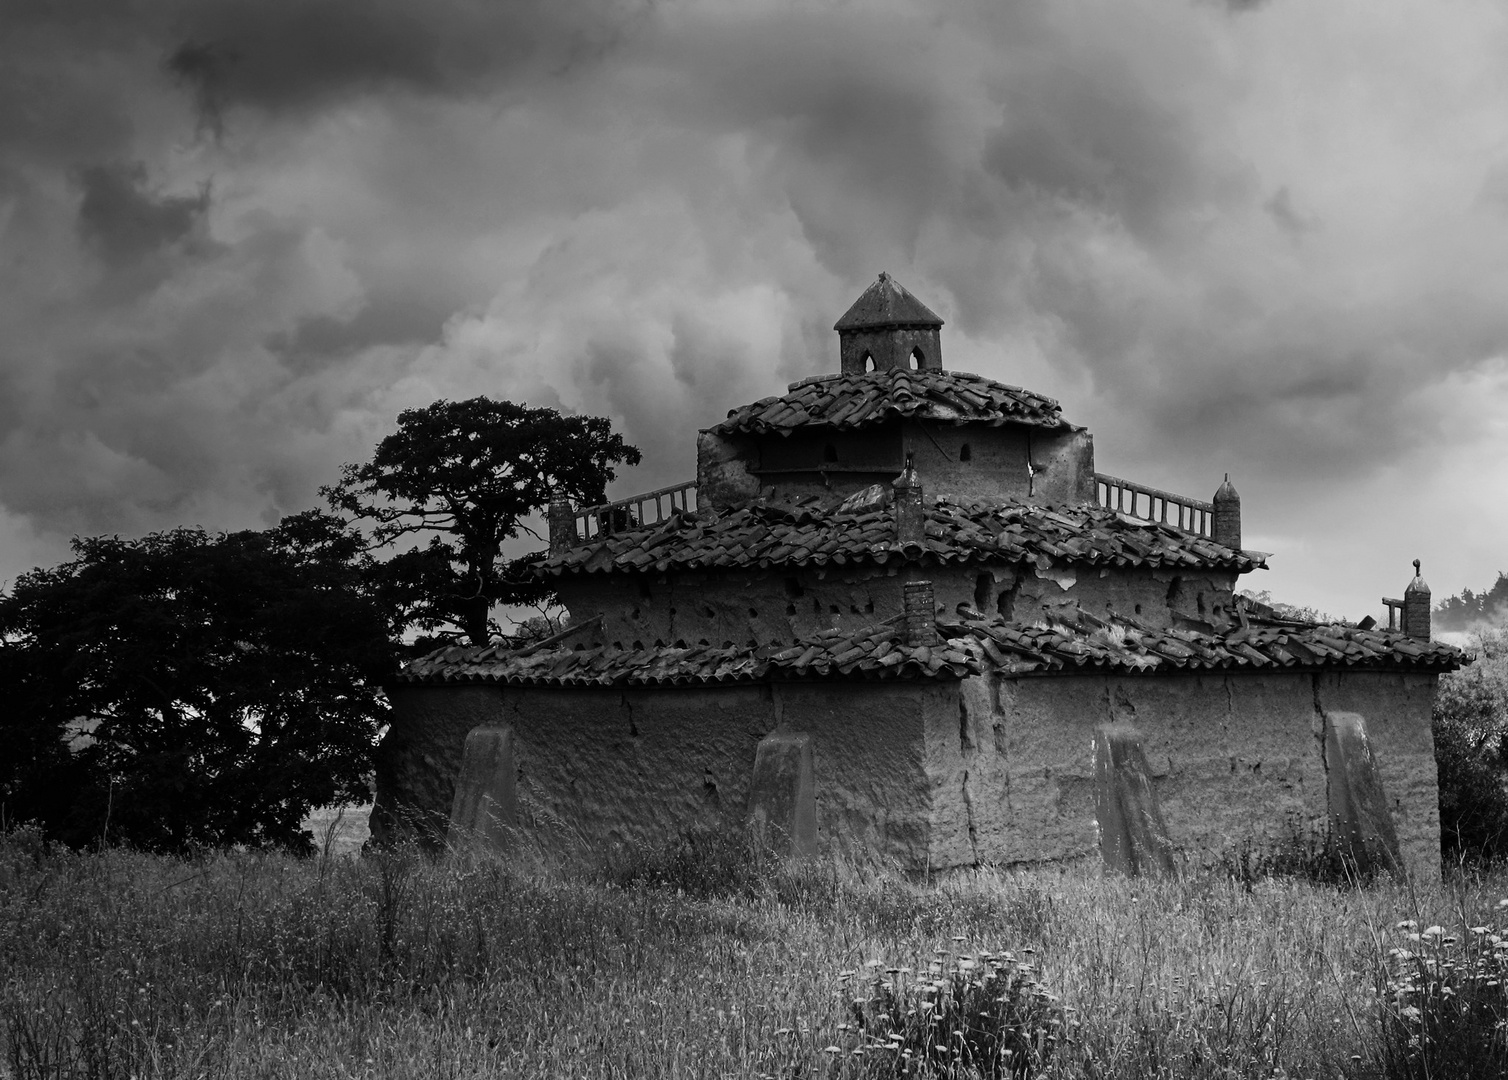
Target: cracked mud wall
pixel 419 757
pixel 764 607
pixel 597 767
pixel 931 775
pixel 874 791
pixel 1234 757
pixel 1396 708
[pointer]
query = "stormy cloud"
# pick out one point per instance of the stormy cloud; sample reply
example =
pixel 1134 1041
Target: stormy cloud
pixel 1264 238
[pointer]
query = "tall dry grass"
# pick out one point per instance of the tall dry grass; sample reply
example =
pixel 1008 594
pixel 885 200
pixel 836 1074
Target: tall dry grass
pixel 693 962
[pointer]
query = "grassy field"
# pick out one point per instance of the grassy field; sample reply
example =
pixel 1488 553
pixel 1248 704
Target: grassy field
pixel 698 963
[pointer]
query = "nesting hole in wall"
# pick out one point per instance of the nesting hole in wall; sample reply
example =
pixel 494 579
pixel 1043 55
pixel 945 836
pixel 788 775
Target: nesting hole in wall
pixel 709 611
pixel 964 453
pixel 829 452
pixel 793 588
pixel 638 644
pixel 790 609
pixel 634 614
pixel 753 613
pixel 983 585
pixel 1005 605
pixel 644 593
pixel 869 607
pixel 672 613
pixel 833 609
pixel 1138 609
pixel 816 606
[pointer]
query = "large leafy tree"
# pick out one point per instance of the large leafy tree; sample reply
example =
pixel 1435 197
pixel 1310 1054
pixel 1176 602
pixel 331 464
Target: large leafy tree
pixel 460 478
pixel 192 689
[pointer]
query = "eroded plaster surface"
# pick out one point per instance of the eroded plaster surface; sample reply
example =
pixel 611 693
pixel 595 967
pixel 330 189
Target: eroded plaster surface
pixel 932 775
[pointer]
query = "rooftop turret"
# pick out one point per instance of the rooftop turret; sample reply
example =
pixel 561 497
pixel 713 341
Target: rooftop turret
pixel 887 329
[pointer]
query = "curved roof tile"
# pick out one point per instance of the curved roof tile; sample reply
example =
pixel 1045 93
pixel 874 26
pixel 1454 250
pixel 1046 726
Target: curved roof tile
pixel 966 647
pixel 810 534
pixel 875 397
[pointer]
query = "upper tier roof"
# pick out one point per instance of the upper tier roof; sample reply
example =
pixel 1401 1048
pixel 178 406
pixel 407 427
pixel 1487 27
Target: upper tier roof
pixel 885 304
pixel 875 397
pixel 809 533
pixel 1076 641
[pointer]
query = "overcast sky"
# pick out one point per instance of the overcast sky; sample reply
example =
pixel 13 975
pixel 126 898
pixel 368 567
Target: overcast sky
pixel 237 237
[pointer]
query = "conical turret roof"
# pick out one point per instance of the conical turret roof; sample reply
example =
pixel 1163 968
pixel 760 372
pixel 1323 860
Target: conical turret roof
pixel 886 303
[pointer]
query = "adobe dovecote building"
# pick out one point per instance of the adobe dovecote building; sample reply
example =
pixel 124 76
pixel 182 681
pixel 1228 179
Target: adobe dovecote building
pixel 894 613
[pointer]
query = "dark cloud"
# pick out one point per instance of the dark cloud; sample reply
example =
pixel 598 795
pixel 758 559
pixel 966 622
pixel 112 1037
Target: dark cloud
pixel 1222 242
pixel 300 57
pixel 124 221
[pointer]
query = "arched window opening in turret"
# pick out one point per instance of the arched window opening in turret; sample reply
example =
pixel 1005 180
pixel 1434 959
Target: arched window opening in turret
pixel 918 359
pixel 829 452
pixel 964 453
pixel 869 361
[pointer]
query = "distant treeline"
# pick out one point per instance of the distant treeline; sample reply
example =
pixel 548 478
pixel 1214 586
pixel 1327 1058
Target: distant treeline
pixel 1470 610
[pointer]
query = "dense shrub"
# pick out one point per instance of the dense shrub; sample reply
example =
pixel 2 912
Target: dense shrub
pixel 1470 725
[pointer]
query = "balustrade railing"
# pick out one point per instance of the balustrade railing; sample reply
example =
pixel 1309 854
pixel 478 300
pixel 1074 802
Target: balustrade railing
pixel 1137 500
pixel 646 509
pixel 1151 504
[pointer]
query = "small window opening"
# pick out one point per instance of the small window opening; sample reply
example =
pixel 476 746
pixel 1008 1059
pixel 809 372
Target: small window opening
pixel 793 588
pixel 983 585
pixel 790 609
pixel 917 361
pixel 869 607
pixel 833 610
pixel 829 452
pixel 753 613
pixel 964 453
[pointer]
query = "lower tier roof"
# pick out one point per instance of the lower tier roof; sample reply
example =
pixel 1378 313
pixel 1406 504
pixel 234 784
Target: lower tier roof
pixel 1074 643
pixel 765 535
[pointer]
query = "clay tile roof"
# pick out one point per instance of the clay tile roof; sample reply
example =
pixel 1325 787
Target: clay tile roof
pixel 873 652
pixel 886 303
pixel 1081 641
pixel 1076 642
pixel 876 397
pixel 810 534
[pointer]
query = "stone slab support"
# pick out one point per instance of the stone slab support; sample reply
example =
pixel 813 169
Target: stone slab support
pixel 485 807
pixel 1360 819
pixel 1133 837
pixel 783 794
